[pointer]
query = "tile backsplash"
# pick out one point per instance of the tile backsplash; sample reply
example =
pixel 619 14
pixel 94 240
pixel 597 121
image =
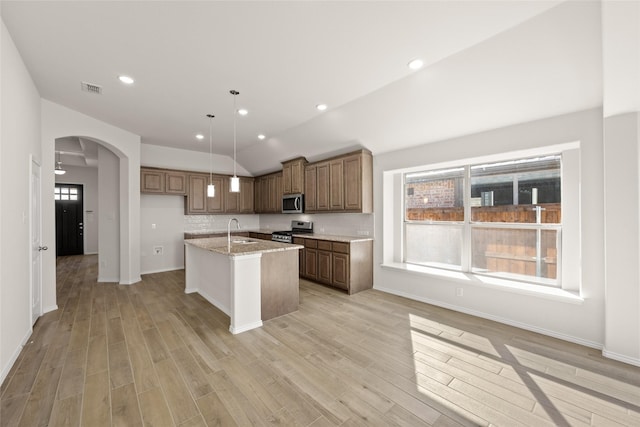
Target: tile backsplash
pixel 219 222
pixel 330 223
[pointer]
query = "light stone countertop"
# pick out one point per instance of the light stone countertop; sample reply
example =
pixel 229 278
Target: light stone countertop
pixel 333 238
pixel 242 230
pixel 219 245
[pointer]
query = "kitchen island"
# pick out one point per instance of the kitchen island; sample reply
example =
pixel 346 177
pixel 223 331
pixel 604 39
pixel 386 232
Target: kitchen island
pixel 251 281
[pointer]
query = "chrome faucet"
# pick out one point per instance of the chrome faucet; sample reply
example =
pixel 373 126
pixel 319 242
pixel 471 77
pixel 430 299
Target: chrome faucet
pixel 229 232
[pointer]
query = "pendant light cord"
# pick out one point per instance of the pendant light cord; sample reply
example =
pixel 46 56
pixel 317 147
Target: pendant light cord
pixel 235 114
pixel 211 116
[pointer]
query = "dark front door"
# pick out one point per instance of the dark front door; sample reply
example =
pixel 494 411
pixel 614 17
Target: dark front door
pixel 69 222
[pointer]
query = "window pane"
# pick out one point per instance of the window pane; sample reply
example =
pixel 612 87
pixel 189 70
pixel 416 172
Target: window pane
pixel 435 195
pixel 74 197
pixel 56 197
pixel 510 191
pixel 65 197
pixel 73 190
pixel 513 253
pixel 64 190
pixel 57 190
pixel 435 245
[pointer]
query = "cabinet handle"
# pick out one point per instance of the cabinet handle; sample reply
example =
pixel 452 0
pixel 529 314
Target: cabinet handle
pixel 42 248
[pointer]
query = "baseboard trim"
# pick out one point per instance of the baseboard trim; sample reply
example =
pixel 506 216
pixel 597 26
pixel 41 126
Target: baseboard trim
pixel 49 309
pixel 621 357
pixel 108 280
pixel 162 270
pixel 510 322
pixel 14 357
pixel 130 282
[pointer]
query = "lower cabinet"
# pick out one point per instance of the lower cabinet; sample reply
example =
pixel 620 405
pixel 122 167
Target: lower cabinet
pixel 347 266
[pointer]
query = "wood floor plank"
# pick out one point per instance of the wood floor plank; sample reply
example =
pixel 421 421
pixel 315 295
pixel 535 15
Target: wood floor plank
pixel 66 413
pixel 125 411
pixel 119 365
pixel 72 381
pixel 150 354
pixel 97 355
pixel 153 406
pixel 179 399
pixel 96 404
pixel 214 411
pixel 37 411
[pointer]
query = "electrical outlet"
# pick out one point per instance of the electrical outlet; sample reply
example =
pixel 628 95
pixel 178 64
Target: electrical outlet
pixel 158 250
pixel 459 292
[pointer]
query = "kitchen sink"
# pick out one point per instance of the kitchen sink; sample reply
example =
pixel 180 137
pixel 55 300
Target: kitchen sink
pixel 243 242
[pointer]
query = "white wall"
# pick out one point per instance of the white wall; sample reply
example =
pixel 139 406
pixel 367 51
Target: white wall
pixel 20 139
pixel 161 224
pixel 109 211
pixel 58 122
pixel 197 161
pixel 582 323
pixel 88 178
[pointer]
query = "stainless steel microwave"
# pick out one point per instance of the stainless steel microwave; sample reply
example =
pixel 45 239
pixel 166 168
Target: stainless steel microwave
pixel 293 203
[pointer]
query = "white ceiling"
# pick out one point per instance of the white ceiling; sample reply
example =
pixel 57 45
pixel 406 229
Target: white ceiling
pixel 483 57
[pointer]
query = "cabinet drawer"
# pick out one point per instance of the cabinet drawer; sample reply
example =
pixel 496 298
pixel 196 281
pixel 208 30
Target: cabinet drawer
pixel 298 241
pixel 340 247
pixel 310 243
pixel 324 245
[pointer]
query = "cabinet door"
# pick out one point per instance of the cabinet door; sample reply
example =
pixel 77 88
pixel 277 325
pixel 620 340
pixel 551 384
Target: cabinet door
pixel 322 188
pixel 300 241
pixel 297 177
pixel 353 183
pixel 324 267
pixel 175 182
pixel 278 194
pixel 231 200
pixel 197 197
pixel 215 204
pixel 286 179
pixel 271 193
pixel 311 263
pixel 151 181
pixel 310 185
pixel 246 195
pixel 340 270
pixel 336 185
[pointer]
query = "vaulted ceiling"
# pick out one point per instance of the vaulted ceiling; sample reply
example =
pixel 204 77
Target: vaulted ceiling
pixel 487 64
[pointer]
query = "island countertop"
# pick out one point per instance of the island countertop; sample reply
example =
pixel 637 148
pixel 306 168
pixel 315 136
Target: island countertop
pixel 219 245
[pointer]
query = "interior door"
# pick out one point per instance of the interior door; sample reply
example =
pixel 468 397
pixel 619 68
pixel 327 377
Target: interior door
pixel 36 244
pixel 69 220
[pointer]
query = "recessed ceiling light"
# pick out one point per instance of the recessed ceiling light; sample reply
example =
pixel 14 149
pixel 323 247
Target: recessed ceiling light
pixel 126 80
pixel 261 136
pixel 321 107
pixel 200 136
pixel 415 64
pixel 243 112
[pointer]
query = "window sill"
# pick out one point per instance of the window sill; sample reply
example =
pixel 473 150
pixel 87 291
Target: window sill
pixel 555 294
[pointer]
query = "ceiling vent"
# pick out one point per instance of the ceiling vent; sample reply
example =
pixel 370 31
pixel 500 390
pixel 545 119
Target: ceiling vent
pixel 91 88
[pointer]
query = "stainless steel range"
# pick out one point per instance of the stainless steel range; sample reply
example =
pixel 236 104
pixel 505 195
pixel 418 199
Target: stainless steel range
pixel 297 227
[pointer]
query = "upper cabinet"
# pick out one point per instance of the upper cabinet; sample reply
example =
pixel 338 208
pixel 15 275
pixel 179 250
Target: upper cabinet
pixel 163 181
pixel 241 202
pixel 293 176
pixel 268 193
pixel 340 184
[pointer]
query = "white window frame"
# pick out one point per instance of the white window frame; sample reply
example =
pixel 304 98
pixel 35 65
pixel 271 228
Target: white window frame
pixel 570 271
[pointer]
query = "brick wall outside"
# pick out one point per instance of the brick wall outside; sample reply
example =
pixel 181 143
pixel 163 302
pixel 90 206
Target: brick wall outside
pixel 438 194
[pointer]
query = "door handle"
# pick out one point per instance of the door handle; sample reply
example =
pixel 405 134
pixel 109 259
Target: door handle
pixel 42 248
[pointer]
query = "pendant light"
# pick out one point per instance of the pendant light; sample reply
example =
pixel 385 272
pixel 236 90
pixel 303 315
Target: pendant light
pixel 211 189
pixel 235 181
pixel 58 170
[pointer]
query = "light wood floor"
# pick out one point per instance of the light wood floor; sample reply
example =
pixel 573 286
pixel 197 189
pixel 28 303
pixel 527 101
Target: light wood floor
pixel 148 354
